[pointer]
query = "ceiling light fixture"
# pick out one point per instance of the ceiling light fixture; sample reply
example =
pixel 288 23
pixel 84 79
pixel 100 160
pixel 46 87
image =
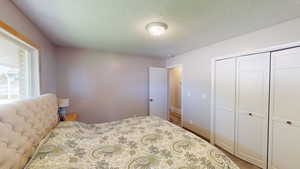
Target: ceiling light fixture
pixel 156 28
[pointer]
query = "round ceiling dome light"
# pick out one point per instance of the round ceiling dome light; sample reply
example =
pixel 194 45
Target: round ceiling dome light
pixel 156 28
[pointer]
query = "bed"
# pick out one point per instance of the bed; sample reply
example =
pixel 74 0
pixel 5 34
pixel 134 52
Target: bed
pixel 135 143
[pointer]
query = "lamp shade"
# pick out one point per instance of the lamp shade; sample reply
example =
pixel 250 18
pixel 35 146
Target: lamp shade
pixel 63 103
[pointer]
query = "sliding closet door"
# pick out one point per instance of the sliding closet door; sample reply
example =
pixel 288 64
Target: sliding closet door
pixel 225 104
pixel 285 110
pixel 252 108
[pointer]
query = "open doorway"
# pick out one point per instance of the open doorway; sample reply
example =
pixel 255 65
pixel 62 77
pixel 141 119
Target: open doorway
pixel 174 96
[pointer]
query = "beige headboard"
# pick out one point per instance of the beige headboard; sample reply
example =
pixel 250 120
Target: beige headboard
pixel 22 126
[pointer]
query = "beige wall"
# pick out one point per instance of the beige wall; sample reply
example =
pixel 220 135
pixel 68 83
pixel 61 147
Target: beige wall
pixel 14 18
pixel 175 88
pixel 197 67
pixel 104 86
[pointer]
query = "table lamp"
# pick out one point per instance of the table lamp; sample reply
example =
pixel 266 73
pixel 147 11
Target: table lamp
pixel 63 104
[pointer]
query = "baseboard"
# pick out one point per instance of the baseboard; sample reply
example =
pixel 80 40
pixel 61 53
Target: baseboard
pixel 199 131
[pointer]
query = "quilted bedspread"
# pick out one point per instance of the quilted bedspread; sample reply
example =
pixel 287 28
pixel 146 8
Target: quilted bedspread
pixel 134 143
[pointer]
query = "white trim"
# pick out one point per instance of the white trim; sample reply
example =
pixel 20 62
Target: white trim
pixel 260 50
pixel 36 71
pixel 212 102
pixel 182 84
pixel 236 103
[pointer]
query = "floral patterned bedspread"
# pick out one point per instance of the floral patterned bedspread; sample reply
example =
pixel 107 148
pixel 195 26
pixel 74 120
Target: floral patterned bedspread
pixel 134 143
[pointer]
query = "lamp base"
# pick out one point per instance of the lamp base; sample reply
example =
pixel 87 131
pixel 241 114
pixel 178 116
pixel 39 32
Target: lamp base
pixel 62 112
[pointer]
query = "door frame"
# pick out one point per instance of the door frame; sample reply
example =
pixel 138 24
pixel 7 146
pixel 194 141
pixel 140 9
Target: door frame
pixel 168 95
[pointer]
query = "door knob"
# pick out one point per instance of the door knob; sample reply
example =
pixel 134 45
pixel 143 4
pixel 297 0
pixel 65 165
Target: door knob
pixel 250 114
pixel 289 122
pixel 151 100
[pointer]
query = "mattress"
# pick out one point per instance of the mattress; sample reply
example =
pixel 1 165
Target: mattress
pixel 134 143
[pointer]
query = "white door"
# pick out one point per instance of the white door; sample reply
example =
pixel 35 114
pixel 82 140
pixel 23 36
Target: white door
pixel 158 92
pixel 252 108
pixel 224 122
pixel 285 110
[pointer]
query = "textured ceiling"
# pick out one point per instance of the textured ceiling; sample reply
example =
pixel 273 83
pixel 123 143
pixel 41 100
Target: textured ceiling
pixel 119 25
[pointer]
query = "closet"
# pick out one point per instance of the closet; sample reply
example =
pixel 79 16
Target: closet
pixel 285 110
pixel 256 108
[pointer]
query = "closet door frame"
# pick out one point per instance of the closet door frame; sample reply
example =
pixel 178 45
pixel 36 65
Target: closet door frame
pixel 213 68
pixel 250 52
pixel 271 102
pixel 212 101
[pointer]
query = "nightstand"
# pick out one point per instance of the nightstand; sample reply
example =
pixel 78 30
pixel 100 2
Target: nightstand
pixel 71 117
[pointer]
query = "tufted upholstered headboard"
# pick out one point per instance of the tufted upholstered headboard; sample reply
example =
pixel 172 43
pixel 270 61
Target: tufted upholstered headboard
pixel 22 126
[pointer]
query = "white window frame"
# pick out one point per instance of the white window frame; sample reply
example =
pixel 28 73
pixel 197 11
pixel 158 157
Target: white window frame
pixel 33 62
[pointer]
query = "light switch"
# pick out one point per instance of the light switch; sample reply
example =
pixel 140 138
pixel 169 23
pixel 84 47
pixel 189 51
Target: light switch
pixel 203 96
pixel 189 93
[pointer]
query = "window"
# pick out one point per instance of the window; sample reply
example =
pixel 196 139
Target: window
pixel 19 69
